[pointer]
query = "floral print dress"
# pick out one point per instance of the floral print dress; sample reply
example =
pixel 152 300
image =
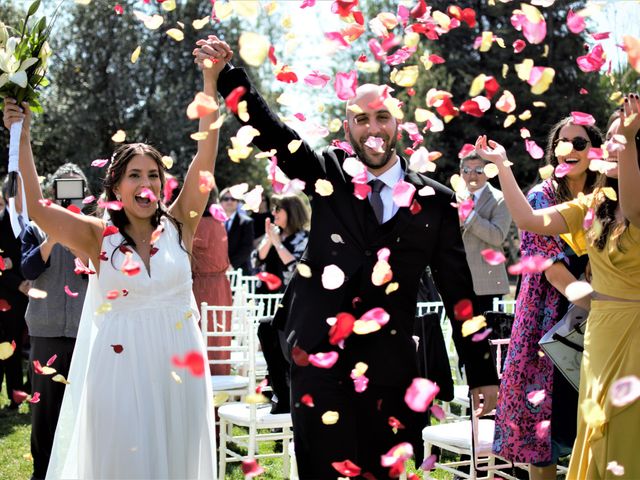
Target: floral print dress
pixel 522 432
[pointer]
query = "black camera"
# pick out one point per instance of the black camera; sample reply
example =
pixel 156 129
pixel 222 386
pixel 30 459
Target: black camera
pixel 68 189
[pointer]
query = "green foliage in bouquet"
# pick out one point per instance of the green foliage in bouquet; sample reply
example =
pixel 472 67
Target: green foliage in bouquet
pixel 23 58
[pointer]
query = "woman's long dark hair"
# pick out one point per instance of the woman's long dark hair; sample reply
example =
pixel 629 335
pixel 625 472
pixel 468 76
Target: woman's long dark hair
pixel 563 193
pixel 117 168
pixel 605 211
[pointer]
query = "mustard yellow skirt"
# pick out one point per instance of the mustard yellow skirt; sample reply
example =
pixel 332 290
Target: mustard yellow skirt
pixel 607 433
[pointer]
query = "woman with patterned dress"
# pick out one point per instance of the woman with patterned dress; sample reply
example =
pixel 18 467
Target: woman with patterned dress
pixel 605 225
pixel 138 404
pixel 520 434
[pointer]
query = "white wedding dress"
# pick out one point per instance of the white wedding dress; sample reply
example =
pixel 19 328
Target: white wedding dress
pixel 134 414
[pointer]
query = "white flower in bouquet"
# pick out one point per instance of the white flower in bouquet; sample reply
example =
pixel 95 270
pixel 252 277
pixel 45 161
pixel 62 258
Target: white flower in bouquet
pixel 14 69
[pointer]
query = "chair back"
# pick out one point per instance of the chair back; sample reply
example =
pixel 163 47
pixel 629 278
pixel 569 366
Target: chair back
pixel 506 306
pixel 266 303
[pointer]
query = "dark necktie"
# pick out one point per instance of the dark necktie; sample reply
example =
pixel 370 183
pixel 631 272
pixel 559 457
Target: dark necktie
pixel 376 199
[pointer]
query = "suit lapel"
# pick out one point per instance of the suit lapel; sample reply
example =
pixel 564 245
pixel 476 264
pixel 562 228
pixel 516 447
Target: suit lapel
pixel 484 198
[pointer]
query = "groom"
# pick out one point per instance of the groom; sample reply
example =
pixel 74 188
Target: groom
pixel 333 422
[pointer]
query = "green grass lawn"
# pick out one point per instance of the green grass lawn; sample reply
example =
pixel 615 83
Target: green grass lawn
pixel 15 454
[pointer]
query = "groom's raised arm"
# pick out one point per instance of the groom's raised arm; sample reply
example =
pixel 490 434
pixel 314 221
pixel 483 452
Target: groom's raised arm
pixel 304 163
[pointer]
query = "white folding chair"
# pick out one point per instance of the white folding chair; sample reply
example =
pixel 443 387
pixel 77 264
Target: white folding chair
pixel 267 303
pixel 506 306
pixel 472 437
pixel 227 332
pixel 234 278
pixel 256 419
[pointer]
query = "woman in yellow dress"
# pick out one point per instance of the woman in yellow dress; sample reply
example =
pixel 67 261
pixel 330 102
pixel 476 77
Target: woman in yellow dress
pixel 605 224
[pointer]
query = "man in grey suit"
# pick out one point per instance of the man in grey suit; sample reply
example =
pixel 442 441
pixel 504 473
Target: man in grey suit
pixel 486 227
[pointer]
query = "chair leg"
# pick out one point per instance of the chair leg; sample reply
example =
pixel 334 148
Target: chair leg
pixel 222 459
pixel 286 461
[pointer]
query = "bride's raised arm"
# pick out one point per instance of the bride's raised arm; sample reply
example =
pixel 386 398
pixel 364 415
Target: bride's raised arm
pixel 78 232
pixel 211 57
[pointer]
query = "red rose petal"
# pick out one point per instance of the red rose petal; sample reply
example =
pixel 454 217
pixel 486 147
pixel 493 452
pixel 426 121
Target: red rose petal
pixel 307 400
pixel 299 356
pixel 347 468
pixel 117 348
pixel 272 281
pixel 463 310
pixel 193 361
pixel 4 305
pixel 234 97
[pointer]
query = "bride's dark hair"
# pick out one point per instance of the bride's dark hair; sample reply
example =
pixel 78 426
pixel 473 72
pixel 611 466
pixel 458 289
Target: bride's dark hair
pixel 117 168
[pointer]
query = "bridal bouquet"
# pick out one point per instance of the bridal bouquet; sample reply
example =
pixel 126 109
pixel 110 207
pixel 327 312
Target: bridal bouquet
pixel 23 61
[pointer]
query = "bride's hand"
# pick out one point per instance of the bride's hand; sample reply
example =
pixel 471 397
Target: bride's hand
pixel 491 151
pixel 14 113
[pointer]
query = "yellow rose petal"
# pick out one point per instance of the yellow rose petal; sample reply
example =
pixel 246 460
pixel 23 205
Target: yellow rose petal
pixel 104 308
pixel 610 193
pixel 136 54
pixel 330 417
pixel 37 293
pixel 510 120
pixel 254 48
pixel 563 148
pixel 546 171
pixel 268 154
pixel 6 350
pixel 360 369
pixel 294 145
pixel 60 379
pixel 524 116
pixel 477 85
pixel 169 5
pixel 218 123
pixel 304 270
pixel 243 113
pixel 335 125
pixel 364 327
pixel 472 326
pixel 457 183
pixel 48 370
pixel 119 136
pixel 193 214
pixel 176 377
pixel 199 24
pixel 223 10
pixel 392 287
pixel 490 170
pixel 324 188
pixel 220 399
pixel 592 413
pixel 246 8
pixel 176 34
pixel 199 136
pixel 167 161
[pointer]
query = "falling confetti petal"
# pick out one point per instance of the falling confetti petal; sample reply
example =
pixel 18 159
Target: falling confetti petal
pixel 420 394
pixel 332 277
pixel 625 391
pixel 330 417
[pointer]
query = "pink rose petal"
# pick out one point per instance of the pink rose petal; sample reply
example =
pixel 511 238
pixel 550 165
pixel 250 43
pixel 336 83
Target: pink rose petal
pixel 624 391
pixel 403 193
pixel 361 190
pixel 464 208
pixel 346 84
pixel 323 359
pixel 600 35
pixel 466 149
pixel 438 412
pixel 87 200
pixel 542 428
pixel 51 360
pixel 580 118
pixel 360 382
pixel 534 149
pixel 429 463
pixel 375 144
pixel 479 337
pixel 588 219
pixel 147 193
pixel 562 169
pixel 575 22
pixel 420 394
pixel 615 468
pixel 593 61
pixel 218 213
pixel 519 45
pixel 317 79
pixel 100 162
pixel 35 398
pixel 250 468
pixel 68 291
pixel 493 257
pixel 530 264
pixel 536 397
pixel 399 453
pixel 378 315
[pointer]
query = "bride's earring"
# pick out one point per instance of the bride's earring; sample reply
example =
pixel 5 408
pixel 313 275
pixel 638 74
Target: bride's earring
pixel 118 197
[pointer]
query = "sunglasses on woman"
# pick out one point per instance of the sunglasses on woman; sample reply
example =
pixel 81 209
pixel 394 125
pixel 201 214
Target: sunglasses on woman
pixel 579 143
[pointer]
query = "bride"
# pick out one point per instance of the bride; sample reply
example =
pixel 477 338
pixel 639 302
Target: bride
pixel 131 409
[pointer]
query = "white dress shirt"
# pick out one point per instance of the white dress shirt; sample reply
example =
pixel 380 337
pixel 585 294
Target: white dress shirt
pixel 389 178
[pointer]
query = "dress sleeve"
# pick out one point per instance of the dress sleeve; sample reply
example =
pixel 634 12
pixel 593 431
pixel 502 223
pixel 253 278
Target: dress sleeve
pixel 573 213
pixel 542 245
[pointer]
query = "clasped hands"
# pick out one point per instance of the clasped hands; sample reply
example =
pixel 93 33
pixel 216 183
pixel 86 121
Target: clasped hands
pixel 212 54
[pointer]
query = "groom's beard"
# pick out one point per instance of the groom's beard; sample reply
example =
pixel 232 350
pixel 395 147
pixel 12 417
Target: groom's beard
pixel 389 152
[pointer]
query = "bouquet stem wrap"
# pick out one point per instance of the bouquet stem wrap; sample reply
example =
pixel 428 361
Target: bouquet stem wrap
pixel 17 223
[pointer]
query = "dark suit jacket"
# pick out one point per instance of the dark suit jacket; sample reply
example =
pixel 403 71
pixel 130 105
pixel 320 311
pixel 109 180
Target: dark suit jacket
pixel 430 237
pixel 11 279
pixel 241 242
